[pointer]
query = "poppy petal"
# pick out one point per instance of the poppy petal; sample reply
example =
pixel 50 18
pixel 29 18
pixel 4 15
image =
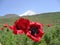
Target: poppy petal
pixel 11 27
pixel 19 31
pixel 35 39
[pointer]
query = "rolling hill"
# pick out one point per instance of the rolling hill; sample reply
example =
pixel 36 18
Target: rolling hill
pixel 44 18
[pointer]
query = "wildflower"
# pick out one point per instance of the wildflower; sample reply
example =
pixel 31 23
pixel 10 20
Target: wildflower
pixel 35 31
pixel 49 25
pixel 20 26
pixel 1 28
pixel 5 25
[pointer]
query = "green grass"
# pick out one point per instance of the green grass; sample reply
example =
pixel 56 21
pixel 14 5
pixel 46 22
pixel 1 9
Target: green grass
pixel 51 37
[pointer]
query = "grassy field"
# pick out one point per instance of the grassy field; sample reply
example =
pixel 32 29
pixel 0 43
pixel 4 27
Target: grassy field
pixel 51 34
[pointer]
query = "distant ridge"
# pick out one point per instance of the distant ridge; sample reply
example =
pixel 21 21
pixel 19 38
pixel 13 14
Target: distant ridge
pixel 11 15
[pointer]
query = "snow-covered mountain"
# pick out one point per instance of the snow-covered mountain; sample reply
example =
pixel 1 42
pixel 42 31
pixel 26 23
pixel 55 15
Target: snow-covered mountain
pixel 28 13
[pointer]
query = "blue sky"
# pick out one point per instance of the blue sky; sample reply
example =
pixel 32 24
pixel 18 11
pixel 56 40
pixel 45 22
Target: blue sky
pixel 20 6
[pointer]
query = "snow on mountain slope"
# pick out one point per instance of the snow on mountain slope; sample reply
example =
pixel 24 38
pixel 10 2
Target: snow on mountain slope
pixel 28 13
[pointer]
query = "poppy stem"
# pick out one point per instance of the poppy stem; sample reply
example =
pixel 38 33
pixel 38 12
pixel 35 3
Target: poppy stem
pixel 25 41
pixel 7 29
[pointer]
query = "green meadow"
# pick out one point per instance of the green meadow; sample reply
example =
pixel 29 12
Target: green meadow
pixel 51 34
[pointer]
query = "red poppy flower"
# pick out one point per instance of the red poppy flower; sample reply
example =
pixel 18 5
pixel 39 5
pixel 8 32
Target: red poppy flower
pixel 1 28
pixel 20 25
pixel 5 25
pixel 23 24
pixel 49 25
pixel 35 31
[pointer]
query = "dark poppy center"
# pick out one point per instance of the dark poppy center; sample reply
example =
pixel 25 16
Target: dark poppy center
pixel 17 27
pixel 34 30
